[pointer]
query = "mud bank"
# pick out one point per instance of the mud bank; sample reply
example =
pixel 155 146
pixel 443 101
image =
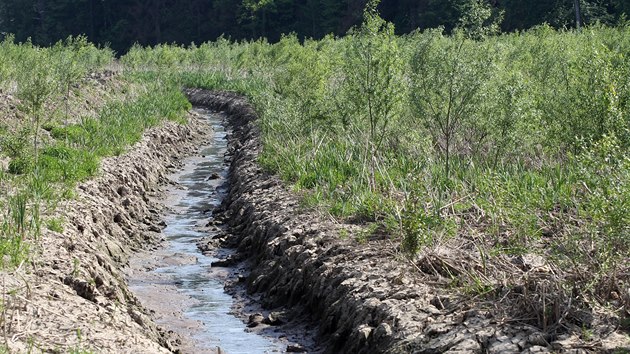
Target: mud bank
pixel 364 298
pixel 75 297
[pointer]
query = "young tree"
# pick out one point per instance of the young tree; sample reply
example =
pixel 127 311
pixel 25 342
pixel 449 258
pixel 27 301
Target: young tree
pixel 69 68
pixel 373 81
pixel 36 85
pixel 447 78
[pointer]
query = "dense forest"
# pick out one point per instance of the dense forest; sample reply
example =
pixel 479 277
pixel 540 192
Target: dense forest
pixel 121 23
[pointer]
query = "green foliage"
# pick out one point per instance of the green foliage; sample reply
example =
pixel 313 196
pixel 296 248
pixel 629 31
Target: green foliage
pixel 66 164
pixel 605 173
pixel 372 91
pixel 478 18
pixel 16 222
pixel 55 224
pixel 370 95
pixel 35 88
pixel 48 169
pixel 418 226
pixel 448 77
pixel 21 165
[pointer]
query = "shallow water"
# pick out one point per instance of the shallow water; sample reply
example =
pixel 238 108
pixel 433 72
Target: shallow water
pixel 180 274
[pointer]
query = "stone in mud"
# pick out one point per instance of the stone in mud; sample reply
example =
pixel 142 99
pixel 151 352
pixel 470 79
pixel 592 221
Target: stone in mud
pixel 295 348
pixel 537 339
pixel 226 262
pixel 467 346
pixel 214 176
pixel 221 263
pixel 365 332
pixel 383 331
pixel 275 319
pixel 503 347
pixel 255 320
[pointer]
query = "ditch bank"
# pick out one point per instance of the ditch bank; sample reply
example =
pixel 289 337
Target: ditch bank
pixel 74 297
pixel 360 300
pixel 362 297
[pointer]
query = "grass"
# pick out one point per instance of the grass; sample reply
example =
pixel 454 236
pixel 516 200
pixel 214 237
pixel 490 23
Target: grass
pixel 44 168
pixel 55 224
pixel 530 159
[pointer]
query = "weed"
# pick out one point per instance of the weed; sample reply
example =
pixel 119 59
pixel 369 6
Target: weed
pixel 55 224
pixel 76 267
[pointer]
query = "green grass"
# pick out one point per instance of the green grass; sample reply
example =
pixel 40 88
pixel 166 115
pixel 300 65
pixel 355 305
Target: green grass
pixel 517 143
pixel 41 170
pixel 55 224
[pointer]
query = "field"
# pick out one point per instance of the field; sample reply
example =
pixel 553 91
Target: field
pixel 497 165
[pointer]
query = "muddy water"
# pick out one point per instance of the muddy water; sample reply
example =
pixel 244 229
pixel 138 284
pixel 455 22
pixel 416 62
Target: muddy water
pixel 176 282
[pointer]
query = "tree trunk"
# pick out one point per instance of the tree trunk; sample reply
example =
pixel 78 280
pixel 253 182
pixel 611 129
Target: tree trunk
pixel 578 16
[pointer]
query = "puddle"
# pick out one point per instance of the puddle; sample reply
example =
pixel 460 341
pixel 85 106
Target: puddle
pixel 177 283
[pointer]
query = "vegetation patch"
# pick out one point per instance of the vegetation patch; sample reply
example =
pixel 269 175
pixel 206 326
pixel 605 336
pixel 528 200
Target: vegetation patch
pixel 46 148
pixel 511 148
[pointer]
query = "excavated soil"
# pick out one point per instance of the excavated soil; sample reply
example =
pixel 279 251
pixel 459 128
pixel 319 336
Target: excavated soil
pixel 363 297
pixel 74 296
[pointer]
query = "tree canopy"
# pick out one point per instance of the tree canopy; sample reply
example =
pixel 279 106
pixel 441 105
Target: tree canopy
pixel 121 23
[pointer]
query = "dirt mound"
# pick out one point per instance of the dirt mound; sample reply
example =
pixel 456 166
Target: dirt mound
pixel 364 297
pixel 74 296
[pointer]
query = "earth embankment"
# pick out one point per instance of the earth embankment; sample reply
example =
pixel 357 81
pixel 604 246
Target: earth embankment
pixel 75 297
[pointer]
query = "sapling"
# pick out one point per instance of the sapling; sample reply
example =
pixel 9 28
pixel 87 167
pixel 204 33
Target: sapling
pixel 446 82
pixel 372 89
pixel 35 87
pixel 69 68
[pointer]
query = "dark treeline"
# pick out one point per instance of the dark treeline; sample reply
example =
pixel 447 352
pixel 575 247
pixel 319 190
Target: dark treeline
pixel 120 23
